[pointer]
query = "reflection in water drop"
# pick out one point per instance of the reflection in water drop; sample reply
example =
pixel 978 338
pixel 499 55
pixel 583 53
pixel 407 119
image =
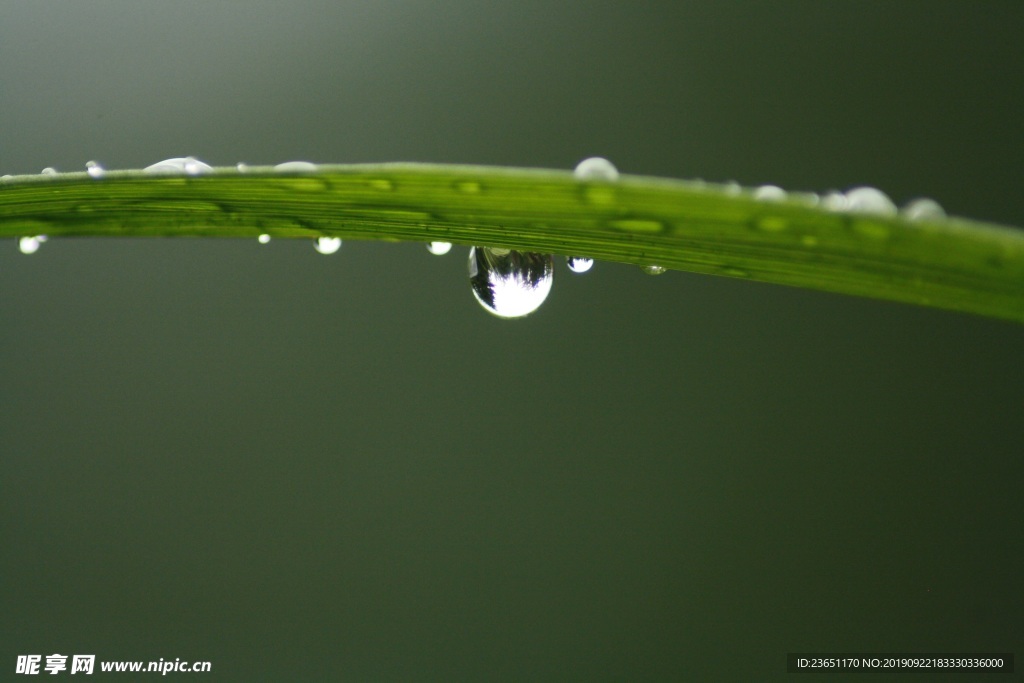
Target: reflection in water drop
pixel 49 170
pixel 296 167
pixel 923 209
pixel 264 238
pixel 652 269
pixel 179 166
pixel 770 193
pixel 30 245
pixel 327 245
pixel 579 264
pixel 439 248
pixel 596 168
pixel 94 169
pixel 510 284
pixel 870 200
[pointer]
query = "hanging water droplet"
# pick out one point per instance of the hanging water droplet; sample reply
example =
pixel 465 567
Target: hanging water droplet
pixel 923 209
pixel 30 245
pixel 94 169
pixel 327 245
pixel 439 248
pixel 653 269
pixel 264 238
pixel 296 167
pixel 769 193
pixel 510 284
pixel 596 168
pixel 579 264
pixel 870 200
pixel 178 166
pixel 49 170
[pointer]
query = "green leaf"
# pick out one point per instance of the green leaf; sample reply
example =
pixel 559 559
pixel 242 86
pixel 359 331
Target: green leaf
pixel 948 263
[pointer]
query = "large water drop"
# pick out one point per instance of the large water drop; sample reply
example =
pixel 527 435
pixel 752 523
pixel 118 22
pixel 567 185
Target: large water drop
pixel 439 248
pixel 327 245
pixel 579 264
pixel 870 200
pixel 264 238
pixel 596 168
pixel 923 209
pixel 49 170
pixel 178 166
pixel 94 169
pixel 510 284
pixel 296 167
pixel 30 245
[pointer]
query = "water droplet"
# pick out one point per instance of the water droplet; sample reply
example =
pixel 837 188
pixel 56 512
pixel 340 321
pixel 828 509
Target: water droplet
pixel 732 188
pixel 242 167
pixel 510 284
pixel 49 170
pixel 835 201
pixel 653 269
pixel 579 264
pixel 94 169
pixel 596 168
pixel 178 166
pixel 770 193
pixel 5 177
pixel 923 209
pixel 439 248
pixel 327 245
pixel 30 245
pixel 264 238
pixel 296 167
pixel 870 200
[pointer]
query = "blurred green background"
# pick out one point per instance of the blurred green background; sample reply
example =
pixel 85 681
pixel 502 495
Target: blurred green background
pixel 302 467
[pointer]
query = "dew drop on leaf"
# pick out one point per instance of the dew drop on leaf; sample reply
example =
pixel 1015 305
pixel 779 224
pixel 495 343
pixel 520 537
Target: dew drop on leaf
pixel 596 168
pixel 508 283
pixel 264 238
pixel 327 245
pixel 296 167
pixel 579 264
pixel 923 209
pixel 94 169
pixel 870 200
pixel 653 269
pixel 49 170
pixel 30 245
pixel 770 193
pixel 178 166
pixel 439 248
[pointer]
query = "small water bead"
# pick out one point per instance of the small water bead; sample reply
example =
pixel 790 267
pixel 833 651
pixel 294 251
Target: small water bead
pixel 94 169
pixel 508 283
pixel 834 201
pixel 178 166
pixel 923 209
pixel 870 200
pixel 296 167
pixel 30 245
pixel 439 248
pixel 327 245
pixel 49 170
pixel 652 269
pixel 264 238
pixel 242 167
pixel 596 168
pixel 770 193
pixel 579 264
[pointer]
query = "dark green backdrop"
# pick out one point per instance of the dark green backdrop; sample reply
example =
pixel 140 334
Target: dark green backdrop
pixel 302 467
